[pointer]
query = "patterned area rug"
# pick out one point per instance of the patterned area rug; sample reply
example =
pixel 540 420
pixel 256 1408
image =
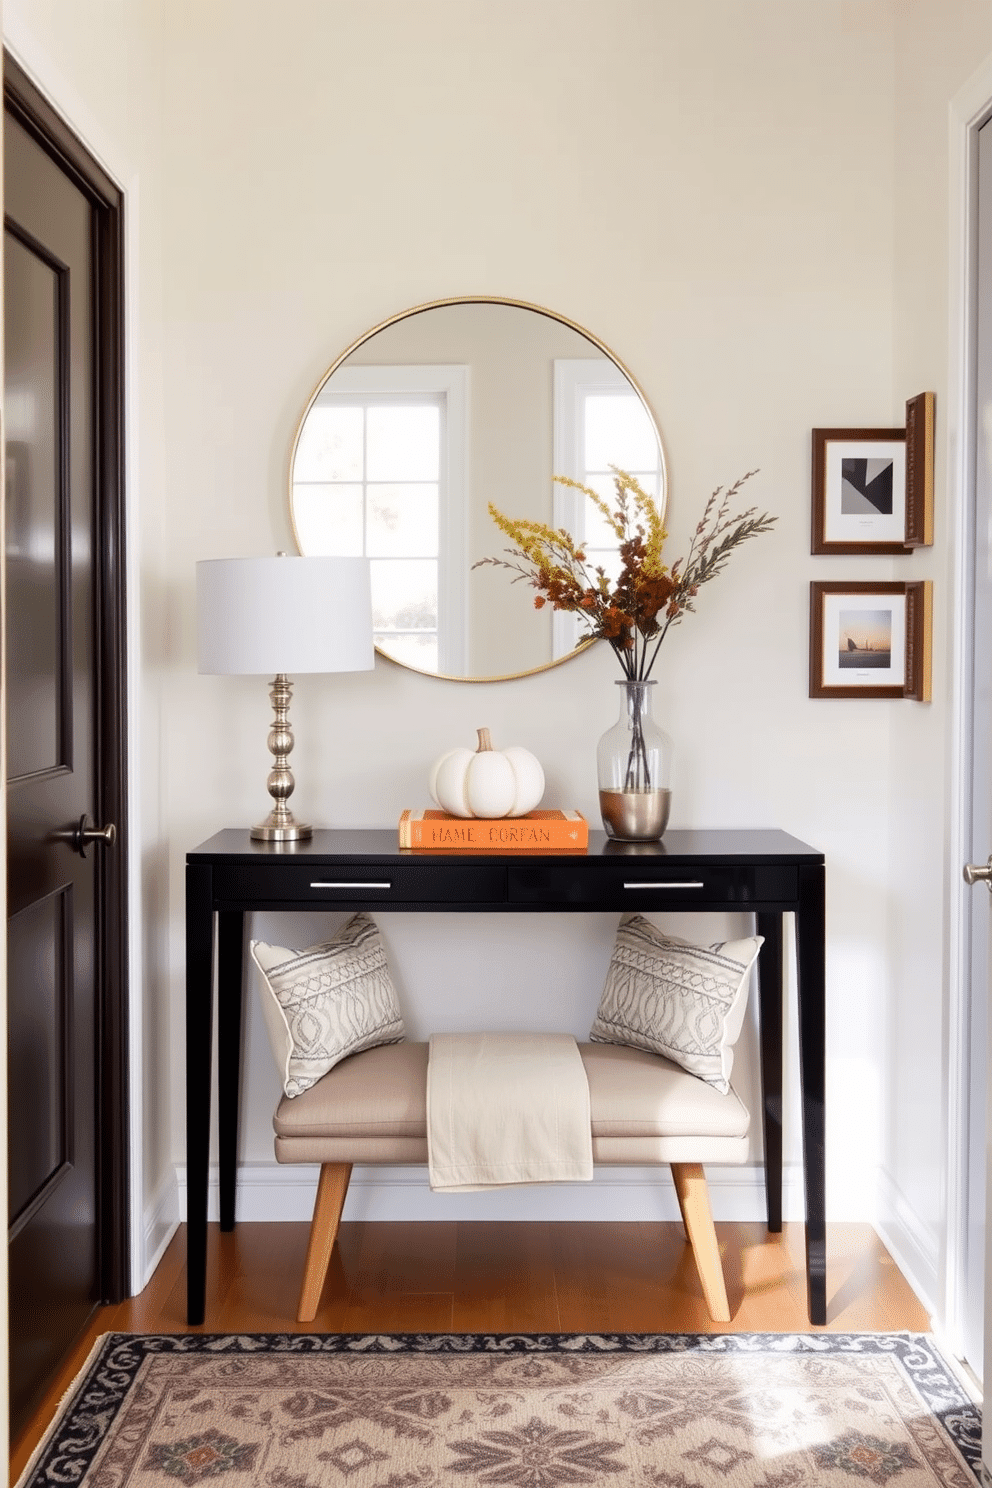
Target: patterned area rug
pixel 658 1411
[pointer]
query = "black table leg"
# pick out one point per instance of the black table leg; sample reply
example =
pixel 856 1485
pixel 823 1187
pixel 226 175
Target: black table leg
pixel 770 1018
pixel 230 970
pixel 199 1023
pixel 811 990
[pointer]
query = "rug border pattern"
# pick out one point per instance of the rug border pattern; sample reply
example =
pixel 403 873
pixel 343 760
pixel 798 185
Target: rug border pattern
pixel 64 1456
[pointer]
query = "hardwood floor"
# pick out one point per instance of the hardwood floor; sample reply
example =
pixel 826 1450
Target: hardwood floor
pixel 488 1278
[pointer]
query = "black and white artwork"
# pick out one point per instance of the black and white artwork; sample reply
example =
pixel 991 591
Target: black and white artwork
pixel 859 491
pixel 866 486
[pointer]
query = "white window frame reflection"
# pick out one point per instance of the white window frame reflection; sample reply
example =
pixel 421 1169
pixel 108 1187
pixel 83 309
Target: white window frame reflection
pixel 576 380
pixel 448 387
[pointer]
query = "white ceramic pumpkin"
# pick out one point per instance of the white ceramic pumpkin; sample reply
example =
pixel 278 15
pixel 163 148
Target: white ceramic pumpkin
pixel 487 782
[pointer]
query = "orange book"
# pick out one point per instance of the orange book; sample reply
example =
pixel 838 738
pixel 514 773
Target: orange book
pixel 538 831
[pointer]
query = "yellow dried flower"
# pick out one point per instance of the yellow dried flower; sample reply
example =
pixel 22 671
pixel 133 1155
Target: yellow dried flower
pixel 596 499
pixel 635 613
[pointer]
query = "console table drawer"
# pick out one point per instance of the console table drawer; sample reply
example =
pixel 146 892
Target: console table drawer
pixel 634 885
pixel 406 883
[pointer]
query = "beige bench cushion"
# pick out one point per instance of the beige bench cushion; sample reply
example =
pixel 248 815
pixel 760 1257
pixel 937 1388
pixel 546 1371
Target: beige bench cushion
pixel 372 1108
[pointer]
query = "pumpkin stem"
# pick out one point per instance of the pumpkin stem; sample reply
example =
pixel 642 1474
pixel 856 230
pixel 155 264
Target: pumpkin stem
pixel 485 742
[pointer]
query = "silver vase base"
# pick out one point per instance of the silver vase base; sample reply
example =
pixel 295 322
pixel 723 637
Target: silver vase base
pixel 635 816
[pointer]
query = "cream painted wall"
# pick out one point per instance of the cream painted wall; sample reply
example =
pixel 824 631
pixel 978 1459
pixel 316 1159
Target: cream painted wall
pixel 722 194
pixel 710 190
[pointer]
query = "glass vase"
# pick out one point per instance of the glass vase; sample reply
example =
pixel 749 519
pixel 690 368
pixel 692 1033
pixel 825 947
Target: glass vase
pixel 633 761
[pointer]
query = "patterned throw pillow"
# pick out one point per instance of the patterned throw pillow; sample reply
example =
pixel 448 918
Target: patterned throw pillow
pixel 677 999
pixel 328 1002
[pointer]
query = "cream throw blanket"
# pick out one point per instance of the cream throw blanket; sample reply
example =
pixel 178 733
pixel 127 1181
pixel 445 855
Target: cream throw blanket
pixel 507 1108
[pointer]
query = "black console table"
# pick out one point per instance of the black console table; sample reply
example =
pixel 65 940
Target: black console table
pixel 764 873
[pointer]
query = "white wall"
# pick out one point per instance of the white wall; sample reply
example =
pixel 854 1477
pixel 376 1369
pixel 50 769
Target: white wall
pixel 710 190
pixel 722 194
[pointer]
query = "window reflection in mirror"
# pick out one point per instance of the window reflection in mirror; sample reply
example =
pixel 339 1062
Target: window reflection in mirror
pixel 372 477
pixel 599 422
pixel 422 424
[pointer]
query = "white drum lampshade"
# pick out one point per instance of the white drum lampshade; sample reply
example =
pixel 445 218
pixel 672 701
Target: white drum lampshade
pixel 272 616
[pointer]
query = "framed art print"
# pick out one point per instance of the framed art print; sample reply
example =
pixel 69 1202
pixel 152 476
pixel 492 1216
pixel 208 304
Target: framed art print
pixel 870 640
pixel 873 488
pixel 859 491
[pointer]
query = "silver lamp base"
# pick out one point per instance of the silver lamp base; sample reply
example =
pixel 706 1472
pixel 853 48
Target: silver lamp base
pixel 271 830
pixel 280 825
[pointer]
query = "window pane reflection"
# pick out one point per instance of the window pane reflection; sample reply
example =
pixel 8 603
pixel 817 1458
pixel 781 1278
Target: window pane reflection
pixel 404 594
pixel 598 532
pixel 619 432
pixel 403 521
pixel 403 442
pixel 367 482
pixel 330 447
pixel 418 651
pixel 329 520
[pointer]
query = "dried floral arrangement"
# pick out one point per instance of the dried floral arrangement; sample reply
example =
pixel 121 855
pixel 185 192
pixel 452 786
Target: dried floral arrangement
pixel 636 612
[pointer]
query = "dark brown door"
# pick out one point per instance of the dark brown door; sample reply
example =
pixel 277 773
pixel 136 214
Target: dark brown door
pixel 61 1158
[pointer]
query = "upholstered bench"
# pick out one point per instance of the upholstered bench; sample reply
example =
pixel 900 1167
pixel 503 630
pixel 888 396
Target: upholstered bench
pixel 372 1108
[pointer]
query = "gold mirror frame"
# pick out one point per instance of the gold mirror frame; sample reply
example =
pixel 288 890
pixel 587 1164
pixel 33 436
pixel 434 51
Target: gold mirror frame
pixel 458 300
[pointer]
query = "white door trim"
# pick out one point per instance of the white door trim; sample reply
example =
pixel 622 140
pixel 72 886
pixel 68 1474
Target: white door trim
pixel 968 110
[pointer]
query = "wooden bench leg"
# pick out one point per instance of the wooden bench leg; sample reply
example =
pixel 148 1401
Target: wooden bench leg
pixel 331 1190
pixel 694 1202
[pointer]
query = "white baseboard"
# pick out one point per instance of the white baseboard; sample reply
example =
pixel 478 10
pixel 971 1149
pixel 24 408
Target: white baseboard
pixel 914 1248
pixel 161 1220
pixel 282 1192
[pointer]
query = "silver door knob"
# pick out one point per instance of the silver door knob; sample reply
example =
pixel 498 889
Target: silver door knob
pixel 84 832
pixel 87 834
pixel 973 874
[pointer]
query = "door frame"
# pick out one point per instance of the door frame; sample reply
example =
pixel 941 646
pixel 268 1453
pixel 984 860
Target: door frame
pixel 970 108
pixel 24 102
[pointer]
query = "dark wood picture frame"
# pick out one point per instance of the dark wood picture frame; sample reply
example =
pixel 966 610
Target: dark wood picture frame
pixel 832 448
pixel 900 651
pixel 890 512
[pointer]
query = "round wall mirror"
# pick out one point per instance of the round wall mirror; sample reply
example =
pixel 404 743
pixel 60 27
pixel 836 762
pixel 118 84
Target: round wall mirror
pixel 428 419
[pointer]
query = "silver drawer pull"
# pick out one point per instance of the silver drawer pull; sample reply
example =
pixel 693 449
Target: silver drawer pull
pixel 364 885
pixel 695 884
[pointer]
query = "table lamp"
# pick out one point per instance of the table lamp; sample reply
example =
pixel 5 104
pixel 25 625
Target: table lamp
pixel 273 616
